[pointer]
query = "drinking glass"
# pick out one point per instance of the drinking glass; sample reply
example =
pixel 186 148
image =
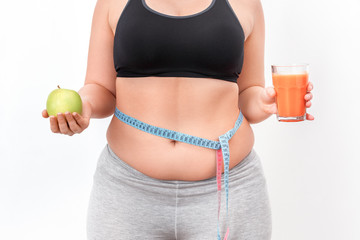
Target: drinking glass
pixel 290 83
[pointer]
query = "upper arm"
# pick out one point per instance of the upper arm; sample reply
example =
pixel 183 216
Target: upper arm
pixel 252 73
pixel 100 67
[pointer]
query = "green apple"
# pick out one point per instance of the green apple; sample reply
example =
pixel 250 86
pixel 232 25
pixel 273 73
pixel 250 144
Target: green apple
pixel 63 100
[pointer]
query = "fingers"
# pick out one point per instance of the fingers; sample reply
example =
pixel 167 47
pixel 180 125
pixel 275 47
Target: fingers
pixel 309 117
pixel 82 121
pixel 63 125
pixel 308 96
pixel 310 87
pixel 73 125
pixel 54 124
pixel 67 123
pixel 45 114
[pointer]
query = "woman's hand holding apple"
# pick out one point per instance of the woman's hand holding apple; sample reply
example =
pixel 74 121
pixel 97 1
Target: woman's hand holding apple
pixel 70 123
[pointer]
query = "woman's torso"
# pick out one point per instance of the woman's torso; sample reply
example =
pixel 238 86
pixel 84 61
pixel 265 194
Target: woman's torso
pixel 202 107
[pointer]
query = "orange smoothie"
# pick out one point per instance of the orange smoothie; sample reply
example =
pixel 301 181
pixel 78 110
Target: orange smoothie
pixel 290 92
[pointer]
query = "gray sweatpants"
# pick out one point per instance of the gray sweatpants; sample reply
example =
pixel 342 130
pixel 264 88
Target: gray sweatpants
pixel 127 204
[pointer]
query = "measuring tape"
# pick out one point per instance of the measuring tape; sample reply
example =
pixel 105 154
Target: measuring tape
pixel 221 147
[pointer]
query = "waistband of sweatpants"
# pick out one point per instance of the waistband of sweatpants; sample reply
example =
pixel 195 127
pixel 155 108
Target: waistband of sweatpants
pixel 249 159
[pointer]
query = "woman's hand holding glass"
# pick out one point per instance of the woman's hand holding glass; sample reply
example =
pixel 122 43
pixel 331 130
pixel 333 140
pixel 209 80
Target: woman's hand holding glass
pixel 70 123
pixel 268 100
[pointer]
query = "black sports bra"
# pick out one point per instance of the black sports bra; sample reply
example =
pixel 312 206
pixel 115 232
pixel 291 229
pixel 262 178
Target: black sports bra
pixel 208 44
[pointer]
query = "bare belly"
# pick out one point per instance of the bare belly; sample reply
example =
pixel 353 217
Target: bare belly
pixel 200 107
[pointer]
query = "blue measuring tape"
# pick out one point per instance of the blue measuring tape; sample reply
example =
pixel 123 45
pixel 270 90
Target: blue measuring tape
pixel 221 146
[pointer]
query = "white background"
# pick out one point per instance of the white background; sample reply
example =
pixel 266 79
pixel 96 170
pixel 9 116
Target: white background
pixel 312 168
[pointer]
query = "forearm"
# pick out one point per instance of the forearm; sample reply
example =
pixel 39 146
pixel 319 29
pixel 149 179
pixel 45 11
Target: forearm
pixel 102 101
pixel 250 105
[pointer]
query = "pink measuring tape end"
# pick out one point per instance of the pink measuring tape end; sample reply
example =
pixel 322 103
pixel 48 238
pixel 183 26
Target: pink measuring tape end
pixel 219 158
pixel 227 234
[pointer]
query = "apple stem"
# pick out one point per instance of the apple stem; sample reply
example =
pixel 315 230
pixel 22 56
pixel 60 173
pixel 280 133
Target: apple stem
pixel 58 87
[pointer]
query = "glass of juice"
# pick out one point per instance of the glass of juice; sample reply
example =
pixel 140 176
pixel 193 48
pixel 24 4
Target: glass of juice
pixel 290 83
